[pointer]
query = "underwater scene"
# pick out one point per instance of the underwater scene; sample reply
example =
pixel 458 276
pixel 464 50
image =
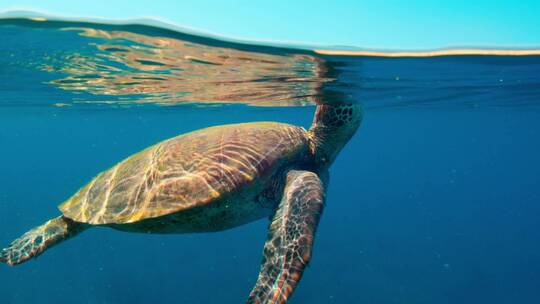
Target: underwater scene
pixel 427 168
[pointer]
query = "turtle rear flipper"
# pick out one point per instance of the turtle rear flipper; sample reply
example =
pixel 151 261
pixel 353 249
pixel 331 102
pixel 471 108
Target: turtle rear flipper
pixel 37 240
pixel 290 240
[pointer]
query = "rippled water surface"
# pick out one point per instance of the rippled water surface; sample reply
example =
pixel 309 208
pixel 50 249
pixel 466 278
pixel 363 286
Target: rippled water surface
pixel 435 199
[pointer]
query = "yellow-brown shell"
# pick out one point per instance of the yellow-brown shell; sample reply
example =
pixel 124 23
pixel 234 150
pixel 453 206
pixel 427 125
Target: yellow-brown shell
pixel 186 171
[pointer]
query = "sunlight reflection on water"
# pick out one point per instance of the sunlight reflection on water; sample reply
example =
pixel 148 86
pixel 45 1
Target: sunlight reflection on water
pixel 170 71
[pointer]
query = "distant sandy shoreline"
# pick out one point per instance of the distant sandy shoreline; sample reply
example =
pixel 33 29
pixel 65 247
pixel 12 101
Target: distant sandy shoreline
pixel 432 53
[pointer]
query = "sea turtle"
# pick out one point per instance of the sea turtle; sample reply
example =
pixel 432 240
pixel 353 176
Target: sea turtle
pixel 215 179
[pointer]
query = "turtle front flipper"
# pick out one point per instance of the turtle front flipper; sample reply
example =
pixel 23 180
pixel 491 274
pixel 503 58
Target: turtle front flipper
pixel 290 239
pixel 34 242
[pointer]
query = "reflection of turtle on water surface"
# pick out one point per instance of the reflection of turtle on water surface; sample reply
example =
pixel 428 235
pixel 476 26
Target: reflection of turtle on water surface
pixel 214 179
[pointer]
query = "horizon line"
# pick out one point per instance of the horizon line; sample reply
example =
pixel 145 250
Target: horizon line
pixel 152 21
pixel 434 53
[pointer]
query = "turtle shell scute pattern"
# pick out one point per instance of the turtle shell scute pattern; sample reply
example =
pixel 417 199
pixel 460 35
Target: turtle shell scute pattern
pixel 187 171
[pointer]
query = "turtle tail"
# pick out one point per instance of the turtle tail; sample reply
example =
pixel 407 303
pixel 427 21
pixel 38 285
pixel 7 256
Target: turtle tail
pixel 36 241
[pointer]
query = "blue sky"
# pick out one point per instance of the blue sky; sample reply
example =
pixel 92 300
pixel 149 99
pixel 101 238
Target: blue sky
pixel 390 24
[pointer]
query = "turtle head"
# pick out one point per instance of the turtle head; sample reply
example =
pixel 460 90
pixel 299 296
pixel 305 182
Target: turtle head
pixel 333 126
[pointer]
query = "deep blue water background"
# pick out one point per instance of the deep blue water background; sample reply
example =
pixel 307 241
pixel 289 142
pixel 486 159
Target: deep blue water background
pixel 435 200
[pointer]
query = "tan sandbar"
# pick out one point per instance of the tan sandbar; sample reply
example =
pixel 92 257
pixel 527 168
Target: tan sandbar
pixel 432 53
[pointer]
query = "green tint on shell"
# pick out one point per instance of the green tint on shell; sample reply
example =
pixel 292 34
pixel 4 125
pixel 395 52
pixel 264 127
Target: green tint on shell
pixel 187 171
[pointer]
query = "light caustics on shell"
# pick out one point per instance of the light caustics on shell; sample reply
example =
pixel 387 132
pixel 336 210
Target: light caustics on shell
pixel 134 67
pixel 186 171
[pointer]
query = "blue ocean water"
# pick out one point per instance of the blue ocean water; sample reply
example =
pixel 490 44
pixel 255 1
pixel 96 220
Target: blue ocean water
pixel 435 199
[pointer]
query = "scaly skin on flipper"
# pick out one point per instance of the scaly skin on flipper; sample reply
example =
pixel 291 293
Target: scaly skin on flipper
pixel 290 240
pixel 34 242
